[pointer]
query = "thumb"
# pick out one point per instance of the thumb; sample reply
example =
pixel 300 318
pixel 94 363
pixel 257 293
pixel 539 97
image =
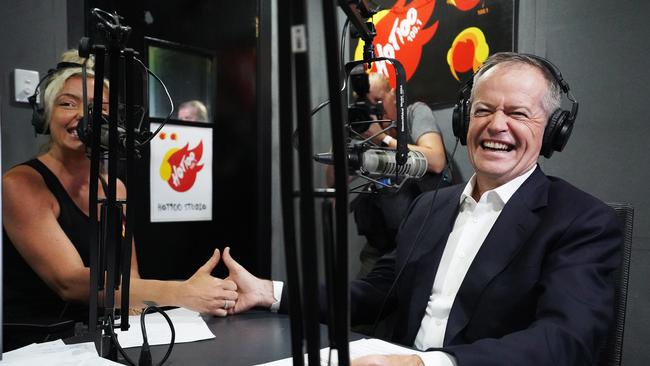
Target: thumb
pixel 211 263
pixel 229 261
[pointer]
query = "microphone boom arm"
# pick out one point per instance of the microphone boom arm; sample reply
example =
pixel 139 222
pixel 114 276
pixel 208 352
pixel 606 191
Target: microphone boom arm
pixel 400 99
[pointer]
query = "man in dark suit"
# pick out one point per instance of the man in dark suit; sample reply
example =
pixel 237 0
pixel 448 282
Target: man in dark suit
pixel 514 268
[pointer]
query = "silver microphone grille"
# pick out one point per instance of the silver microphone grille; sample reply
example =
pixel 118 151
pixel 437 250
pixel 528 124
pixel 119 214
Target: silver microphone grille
pixel 382 163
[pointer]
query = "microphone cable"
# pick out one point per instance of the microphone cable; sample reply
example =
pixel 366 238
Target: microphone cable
pixel 171 104
pixel 341 75
pixel 142 109
pixel 342 48
pixel 414 245
pixel 145 352
pixel 294 137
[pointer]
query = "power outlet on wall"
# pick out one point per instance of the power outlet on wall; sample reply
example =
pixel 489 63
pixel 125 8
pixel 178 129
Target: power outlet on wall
pixel 25 82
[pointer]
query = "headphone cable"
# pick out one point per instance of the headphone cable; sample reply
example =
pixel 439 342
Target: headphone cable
pixel 413 245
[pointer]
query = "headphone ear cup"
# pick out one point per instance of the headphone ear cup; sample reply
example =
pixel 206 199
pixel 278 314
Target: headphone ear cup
pixel 38 113
pixel 556 133
pixel 466 111
pixel 38 120
pixel 460 121
pixel 563 131
pixel 456 120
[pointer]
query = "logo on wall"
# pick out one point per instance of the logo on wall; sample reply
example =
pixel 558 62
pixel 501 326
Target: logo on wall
pixel 439 43
pixel 464 5
pixel 180 173
pixel 401 35
pixel 468 52
pixel 180 166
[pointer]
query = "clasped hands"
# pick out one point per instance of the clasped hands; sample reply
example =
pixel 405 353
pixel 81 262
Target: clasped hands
pixel 241 291
pixel 238 292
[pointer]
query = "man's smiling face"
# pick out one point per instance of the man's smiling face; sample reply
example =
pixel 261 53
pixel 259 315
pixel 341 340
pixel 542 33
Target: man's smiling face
pixel 506 123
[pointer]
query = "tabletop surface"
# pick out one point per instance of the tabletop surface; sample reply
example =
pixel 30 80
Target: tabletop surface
pixel 245 339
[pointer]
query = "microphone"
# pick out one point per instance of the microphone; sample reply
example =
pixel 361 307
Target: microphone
pixel 84 131
pixel 378 163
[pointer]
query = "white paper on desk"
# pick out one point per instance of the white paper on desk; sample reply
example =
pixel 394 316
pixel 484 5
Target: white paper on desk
pixel 55 353
pixel 188 325
pixel 362 347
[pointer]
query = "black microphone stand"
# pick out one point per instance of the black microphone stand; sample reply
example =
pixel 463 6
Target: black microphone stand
pixel 285 66
pixel 308 250
pixel 336 240
pixel 111 238
pixel 294 87
pixel 336 243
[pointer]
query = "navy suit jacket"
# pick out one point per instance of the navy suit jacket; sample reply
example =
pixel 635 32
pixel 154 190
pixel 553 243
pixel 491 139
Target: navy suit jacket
pixel 539 292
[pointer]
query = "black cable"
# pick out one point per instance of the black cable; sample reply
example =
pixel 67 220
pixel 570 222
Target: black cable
pixel 171 103
pixel 143 110
pixel 117 344
pixel 319 107
pixel 342 75
pixel 449 165
pixel 413 246
pixel 377 6
pixel 145 352
pixel 145 344
pixel 323 104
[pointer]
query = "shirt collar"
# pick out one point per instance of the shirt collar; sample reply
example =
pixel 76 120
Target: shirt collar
pixel 503 192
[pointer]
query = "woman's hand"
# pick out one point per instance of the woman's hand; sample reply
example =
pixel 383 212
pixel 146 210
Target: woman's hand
pixel 207 294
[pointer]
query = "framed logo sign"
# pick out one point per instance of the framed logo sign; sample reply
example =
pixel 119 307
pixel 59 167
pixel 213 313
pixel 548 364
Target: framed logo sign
pixel 180 173
pixel 440 43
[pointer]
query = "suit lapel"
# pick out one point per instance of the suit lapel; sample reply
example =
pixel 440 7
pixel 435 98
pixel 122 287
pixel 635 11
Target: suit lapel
pixel 426 260
pixel 509 233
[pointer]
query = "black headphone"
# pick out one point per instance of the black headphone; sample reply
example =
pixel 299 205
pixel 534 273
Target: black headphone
pixel 558 127
pixel 38 112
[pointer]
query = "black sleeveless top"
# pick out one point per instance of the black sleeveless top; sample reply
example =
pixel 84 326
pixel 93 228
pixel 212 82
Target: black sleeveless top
pixel 26 296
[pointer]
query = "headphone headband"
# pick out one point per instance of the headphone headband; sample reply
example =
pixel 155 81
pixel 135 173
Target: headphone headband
pixel 553 70
pixel 67 65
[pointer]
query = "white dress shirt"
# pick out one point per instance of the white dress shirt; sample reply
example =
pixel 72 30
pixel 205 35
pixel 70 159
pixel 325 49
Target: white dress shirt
pixel 472 225
pixel 277 294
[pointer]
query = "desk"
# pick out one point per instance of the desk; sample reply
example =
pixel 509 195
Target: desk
pixel 245 339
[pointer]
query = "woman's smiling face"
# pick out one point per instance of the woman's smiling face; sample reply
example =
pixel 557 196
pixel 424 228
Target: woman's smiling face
pixel 68 111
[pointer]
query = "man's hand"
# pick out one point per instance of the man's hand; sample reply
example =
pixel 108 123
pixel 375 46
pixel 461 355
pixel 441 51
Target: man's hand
pixel 252 291
pixel 207 294
pixel 388 360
